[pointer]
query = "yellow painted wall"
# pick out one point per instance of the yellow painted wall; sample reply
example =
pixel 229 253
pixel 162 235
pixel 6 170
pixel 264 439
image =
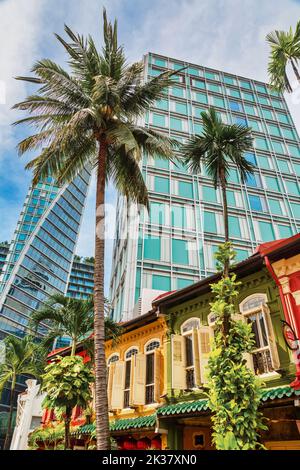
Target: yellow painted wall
pixel 138 338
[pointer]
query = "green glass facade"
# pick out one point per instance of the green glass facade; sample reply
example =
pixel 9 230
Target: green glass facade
pixel 185 222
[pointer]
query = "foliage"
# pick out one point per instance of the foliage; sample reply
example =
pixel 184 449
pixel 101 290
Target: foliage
pixel 67 383
pixel 48 437
pixel 23 356
pixel 218 146
pixel 73 318
pixel 285 49
pixel 234 393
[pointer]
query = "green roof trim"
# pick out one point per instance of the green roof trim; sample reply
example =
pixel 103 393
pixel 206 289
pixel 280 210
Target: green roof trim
pixel 180 408
pixel 121 424
pixel 202 405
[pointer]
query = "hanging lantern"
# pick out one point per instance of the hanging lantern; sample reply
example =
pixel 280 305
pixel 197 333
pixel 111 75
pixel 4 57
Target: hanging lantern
pixel 143 444
pixel 156 443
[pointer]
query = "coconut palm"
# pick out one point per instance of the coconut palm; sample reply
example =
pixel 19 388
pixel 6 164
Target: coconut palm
pixel 22 357
pixel 72 318
pixel 219 146
pixel 89 116
pixel 285 50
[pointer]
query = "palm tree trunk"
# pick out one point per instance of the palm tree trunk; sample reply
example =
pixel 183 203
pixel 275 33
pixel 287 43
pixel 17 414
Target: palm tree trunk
pixel 101 404
pixel 9 422
pixel 296 72
pixel 67 427
pixel 226 319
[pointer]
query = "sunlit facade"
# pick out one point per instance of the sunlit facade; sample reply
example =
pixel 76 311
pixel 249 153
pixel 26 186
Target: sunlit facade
pixel 174 245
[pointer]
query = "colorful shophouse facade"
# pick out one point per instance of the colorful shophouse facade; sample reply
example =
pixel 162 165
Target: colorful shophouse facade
pixel 157 370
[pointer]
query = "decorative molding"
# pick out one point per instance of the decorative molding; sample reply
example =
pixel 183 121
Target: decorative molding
pixel 296 296
pixel 285 267
pixel 285 284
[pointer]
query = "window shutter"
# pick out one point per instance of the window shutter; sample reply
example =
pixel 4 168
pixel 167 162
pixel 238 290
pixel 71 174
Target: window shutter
pixel 271 338
pixel 132 378
pixel 196 356
pixel 246 356
pixel 204 336
pixel 117 396
pixel 139 379
pixel 157 374
pixel 111 371
pixel 178 362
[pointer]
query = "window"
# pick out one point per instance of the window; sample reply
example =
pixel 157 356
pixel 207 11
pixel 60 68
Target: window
pixel 234 227
pixel 231 198
pixel 240 121
pixel 178 216
pixel 277 146
pixel 272 183
pixel 260 88
pixel 210 224
pixel 157 213
pixel 266 231
pixel 248 96
pixel 214 87
pixel 180 253
pixel 251 158
pixel 161 282
pixel 182 282
pixel 162 104
pixel 274 130
pixel 152 248
pixel 261 143
pixel 241 254
pixel 235 106
pixel 177 91
pixel 292 187
pixel 283 166
pixel 161 185
pixel 176 124
pixel 250 109
pixel 285 231
pixel 193 71
pixel 209 194
pixel 187 331
pixel 296 210
pixel 216 101
pixel 294 151
pixel 113 358
pixel 159 62
pixel 283 118
pixel 233 176
pixel 297 168
pixel 158 120
pixel 264 162
pixel 201 98
pixel 233 92
pixel 128 371
pixel 263 100
pixel 151 367
pixel 211 75
pixel 275 207
pixel 264 355
pixel 255 203
pixel 185 189
pixel 245 84
pixel 198 83
pixel 198 129
pixel 229 80
pixel 288 133
pixel 267 113
pixel 180 108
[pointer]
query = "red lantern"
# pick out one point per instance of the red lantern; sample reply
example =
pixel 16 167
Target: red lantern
pixel 129 444
pixel 143 444
pixel 156 443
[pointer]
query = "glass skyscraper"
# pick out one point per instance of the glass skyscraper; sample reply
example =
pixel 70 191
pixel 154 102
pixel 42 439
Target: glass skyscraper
pixel 174 245
pixel 81 281
pixel 41 253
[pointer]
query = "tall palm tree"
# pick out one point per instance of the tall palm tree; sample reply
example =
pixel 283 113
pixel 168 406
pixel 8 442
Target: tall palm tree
pixel 285 49
pixel 22 357
pixel 217 147
pixel 73 318
pixel 89 116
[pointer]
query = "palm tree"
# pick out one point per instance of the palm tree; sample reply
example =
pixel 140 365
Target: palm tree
pixel 73 318
pixel 285 49
pixel 218 146
pixel 89 117
pixel 22 357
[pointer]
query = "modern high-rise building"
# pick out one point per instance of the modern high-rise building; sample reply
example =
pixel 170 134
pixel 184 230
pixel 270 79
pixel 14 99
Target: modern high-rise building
pixel 81 281
pixel 41 253
pixel 173 245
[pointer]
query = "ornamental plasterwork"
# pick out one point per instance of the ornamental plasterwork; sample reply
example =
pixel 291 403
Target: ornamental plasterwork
pixel 296 296
pixel 285 267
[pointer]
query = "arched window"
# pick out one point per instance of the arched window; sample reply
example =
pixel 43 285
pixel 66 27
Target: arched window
pixel 187 330
pixel 151 365
pixel 113 358
pixel 256 312
pixel 128 371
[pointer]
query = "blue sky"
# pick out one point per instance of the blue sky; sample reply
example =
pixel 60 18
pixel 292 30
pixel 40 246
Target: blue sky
pixel 225 34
